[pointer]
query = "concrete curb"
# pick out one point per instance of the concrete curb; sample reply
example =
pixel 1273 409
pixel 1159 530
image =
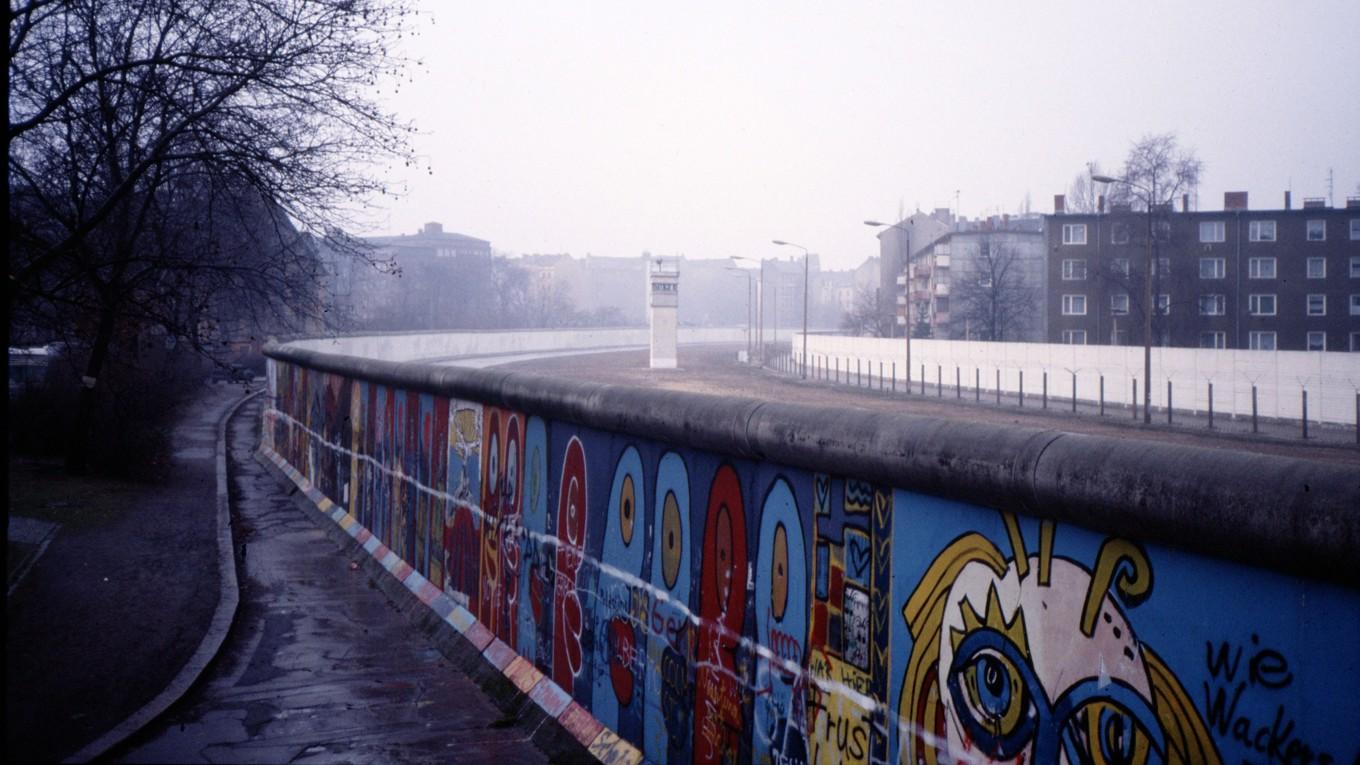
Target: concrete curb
pixel 504 674
pixel 227 601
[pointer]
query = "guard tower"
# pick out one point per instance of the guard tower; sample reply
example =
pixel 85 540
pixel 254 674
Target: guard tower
pixel 664 283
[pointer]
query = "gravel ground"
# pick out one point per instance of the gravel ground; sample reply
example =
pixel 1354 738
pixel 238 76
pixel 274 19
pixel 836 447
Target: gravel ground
pixel 714 370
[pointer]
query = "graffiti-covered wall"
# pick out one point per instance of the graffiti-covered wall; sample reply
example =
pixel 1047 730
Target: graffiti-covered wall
pixel 711 608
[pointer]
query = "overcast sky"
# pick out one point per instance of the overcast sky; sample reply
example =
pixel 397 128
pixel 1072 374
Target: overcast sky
pixel 710 128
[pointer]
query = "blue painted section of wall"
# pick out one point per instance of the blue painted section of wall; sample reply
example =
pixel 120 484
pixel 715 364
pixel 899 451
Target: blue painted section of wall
pixel 919 627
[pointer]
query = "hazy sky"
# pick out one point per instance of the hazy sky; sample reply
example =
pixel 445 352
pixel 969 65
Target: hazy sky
pixel 710 128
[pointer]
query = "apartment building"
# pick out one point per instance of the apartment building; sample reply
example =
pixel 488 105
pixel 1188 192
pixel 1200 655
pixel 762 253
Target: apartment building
pixel 1268 279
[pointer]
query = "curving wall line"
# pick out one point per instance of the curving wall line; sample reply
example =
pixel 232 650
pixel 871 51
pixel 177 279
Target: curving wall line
pixel 684 578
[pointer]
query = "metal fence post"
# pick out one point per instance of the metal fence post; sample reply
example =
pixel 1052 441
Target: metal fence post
pixel 923 379
pixel 1253 409
pixel 1074 393
pixel 939 381
pixel 1168 402
pixel 958 384
pixel 1102 395
pixel 1022 389
pixel 977 385
pixel 1135 398
pixel 894 377
pixel 1305 414
pixel 998 387
pixel 1211 406
pixel 1045 390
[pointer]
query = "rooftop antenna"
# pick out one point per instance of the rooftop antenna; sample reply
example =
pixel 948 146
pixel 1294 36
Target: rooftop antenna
pixel 1329 188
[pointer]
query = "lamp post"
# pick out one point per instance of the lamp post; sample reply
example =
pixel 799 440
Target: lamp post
pixel 906 305
pixel 1148 307
pixel 760 305
pixel 750 287
pixel 807 256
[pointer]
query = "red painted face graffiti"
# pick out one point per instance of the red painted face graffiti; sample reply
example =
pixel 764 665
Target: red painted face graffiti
pixel 571 534
pixel 717 697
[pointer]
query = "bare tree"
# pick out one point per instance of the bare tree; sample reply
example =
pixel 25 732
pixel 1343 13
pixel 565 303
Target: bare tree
pixel 870 314
pixel 171 157
pixel 991 298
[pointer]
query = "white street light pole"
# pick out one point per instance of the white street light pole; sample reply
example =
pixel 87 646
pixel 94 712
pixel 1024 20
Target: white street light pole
pixel 807 256
pixel 1148 306
pixel 906 306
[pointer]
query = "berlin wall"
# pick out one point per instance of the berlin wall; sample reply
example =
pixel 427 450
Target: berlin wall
pixel 727 580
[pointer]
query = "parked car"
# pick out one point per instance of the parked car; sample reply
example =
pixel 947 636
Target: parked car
pixel 233 373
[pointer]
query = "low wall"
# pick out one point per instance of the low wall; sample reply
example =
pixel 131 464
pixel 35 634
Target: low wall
pixel 722 579
pixel 1331 379
pixel 436 346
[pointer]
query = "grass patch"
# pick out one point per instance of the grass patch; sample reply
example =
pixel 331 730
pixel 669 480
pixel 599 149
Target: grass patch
pixel 40 488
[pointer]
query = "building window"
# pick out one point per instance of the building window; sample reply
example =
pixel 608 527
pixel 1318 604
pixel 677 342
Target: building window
pixel 1119 304
pixel 1074 336
pixel 1213 340
pixel 1211 231
pixel 1317 268
pixel 1355 341
pixel 1261 231
pixel 1074 233
pixel 1162 267
pixel 1355 266
pixel 1355 229
pixel 1119 336
pixel 1163 304
pixel 1261 268
pixel 1075 305
pixel 1261 341
pixel 1212 268
pixel 1212 305
pixel 1355 305
pixel 1317 305
pixel 1120 266
pixel 1317 231
pixel 1317 341
pixel 1119 233
pixel 1261 305
pixel 1074 270
pixel 1162 230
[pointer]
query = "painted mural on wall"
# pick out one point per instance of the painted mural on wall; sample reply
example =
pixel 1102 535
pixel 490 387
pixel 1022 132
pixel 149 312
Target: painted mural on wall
pixel 725 611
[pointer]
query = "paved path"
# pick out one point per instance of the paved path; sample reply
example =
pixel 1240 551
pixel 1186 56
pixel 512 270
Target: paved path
pixel 319 666
pixel 108 616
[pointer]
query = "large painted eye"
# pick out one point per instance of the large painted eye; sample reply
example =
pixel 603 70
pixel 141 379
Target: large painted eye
pixel 779 582
pixel 990 687
pixel 994 691
pixel 672 539
pixel 1109 735
pixel 627 510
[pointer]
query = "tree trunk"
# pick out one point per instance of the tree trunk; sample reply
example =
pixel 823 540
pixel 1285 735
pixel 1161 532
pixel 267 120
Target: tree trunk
pixel 78 446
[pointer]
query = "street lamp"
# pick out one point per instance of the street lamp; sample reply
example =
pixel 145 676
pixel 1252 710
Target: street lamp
pixel 760 305
pixel 1148 306
pixel 749 289
pixel 807 256
pixel 906 305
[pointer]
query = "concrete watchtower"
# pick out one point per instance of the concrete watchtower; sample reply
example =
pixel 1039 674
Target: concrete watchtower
pixel 664 301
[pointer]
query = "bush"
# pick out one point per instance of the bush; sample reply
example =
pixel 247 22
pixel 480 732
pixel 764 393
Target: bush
pixel 136 410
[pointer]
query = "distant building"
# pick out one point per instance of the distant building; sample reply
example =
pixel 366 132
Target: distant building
pixel 1282 279
pixel 904 241
pixel 432 279
pixel 982 280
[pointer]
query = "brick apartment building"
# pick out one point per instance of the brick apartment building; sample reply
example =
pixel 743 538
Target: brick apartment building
pixel 1284 279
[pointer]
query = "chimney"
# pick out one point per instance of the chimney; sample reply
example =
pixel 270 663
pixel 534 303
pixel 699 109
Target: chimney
pixel 432 229
pixel 1287 204
pixel 1234 200
pixel 1100 203
pixel 1185 203
pixel 1059 204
